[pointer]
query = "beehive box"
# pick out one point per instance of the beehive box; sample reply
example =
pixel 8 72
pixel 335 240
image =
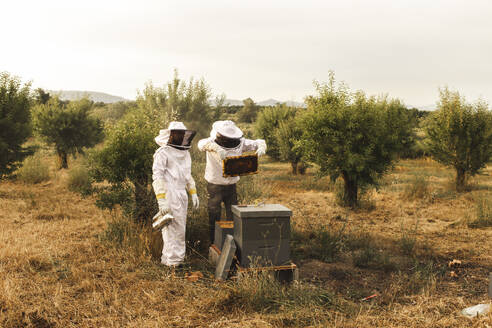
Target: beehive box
pixel 222 228
pixel 262 234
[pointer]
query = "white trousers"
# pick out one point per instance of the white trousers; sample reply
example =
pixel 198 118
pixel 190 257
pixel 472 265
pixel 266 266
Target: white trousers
pixel 173 235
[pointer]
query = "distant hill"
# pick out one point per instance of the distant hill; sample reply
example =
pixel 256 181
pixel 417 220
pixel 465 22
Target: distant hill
pixel 107 98
pixel 233 102
pixel 268 102
pixel 428 108
pixel 93 95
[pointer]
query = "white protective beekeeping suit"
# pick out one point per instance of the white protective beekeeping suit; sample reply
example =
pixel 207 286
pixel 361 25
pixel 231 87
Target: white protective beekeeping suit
pixel 216 153
pixel 172 179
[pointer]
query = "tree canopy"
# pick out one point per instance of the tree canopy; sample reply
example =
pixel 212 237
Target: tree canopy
pixel 460 134
pixel 15 122
pixel 353 136
pixel 268 121
pixel 69 127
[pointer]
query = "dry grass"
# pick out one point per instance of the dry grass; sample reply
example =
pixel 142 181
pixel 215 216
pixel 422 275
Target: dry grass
pixel 60 266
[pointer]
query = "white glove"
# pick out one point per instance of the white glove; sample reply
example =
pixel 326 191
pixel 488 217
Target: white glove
pixel 222 153
pixel 196 201
pixel 213 146
pixel 261 147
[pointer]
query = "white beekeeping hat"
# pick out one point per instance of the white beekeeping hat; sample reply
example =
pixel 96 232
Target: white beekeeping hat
pixel 176 126
pixel 227 129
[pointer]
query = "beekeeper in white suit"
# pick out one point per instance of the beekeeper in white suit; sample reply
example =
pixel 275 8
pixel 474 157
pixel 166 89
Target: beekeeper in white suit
pixel 172 180
pixel 225 140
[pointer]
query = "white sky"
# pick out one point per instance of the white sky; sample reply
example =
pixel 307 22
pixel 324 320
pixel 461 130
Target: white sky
pixel 258 49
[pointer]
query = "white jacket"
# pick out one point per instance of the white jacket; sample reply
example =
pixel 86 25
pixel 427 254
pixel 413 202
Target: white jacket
pixel 172 165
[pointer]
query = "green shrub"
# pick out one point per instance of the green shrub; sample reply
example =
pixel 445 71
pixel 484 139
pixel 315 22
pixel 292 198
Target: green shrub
pixel 34 170
pixel 79 180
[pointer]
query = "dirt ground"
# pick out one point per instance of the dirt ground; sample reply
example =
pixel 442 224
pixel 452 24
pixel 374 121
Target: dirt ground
pixel 57 270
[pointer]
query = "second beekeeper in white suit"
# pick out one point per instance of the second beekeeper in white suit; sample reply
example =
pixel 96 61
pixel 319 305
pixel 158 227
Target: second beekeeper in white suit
pixel 172 181
pixel 225 140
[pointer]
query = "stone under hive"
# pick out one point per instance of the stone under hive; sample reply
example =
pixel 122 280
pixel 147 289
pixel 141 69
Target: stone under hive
pixel 262 234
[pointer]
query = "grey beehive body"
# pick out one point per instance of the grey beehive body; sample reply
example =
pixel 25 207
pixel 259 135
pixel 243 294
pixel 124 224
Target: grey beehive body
pixel 262 232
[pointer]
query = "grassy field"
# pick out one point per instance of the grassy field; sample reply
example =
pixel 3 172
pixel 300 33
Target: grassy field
pixel 65 263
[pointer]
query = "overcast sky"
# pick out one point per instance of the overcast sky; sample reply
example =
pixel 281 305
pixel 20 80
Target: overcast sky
pixel 258 49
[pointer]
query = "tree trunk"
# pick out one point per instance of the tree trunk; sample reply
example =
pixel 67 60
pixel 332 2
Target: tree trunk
pixel 350 191
pixel 301 168
pixel 62 159
pixel 460 179
pixel 294 167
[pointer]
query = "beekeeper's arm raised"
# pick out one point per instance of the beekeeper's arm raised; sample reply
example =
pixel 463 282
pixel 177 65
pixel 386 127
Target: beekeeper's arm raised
pixel 209 144
pixel 251 145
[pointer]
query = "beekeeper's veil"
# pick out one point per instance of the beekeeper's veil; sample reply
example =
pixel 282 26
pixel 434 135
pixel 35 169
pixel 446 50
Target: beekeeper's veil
pixel 226 134
pixel 176 135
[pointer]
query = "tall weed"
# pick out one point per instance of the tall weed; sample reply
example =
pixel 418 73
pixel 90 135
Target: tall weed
pixel 418 188
pixel 34 170
pixel 260 291
pixel 483 213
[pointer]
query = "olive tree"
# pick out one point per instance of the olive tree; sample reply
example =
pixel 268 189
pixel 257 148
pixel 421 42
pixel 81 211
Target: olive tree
pixel 69 128
pixel 178 100
pixel 125 162
pixel 15 122
pixel 460 135
pixel 288 134
pixel 267 122
pixel 248 113
pixel 352 136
